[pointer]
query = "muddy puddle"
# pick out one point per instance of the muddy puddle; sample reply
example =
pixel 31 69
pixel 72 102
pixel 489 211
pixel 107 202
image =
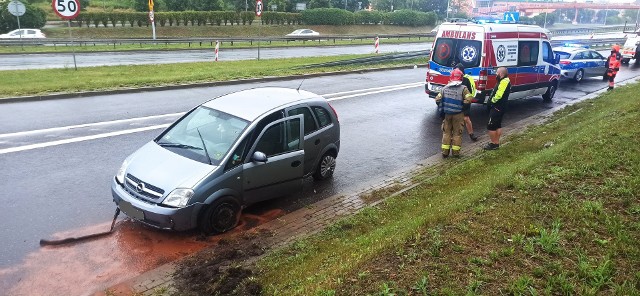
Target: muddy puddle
pixel 91 266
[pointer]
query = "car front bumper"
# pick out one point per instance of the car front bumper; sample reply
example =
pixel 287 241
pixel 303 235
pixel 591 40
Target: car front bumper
pixel 178 219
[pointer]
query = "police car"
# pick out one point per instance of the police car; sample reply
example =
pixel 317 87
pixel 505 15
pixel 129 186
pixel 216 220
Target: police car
pixel 578 62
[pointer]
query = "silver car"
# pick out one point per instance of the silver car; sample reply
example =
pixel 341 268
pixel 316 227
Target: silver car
pixel 228 153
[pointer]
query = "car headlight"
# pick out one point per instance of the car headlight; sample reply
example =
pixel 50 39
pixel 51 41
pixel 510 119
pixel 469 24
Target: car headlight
pixel 178 198
pixel 120 174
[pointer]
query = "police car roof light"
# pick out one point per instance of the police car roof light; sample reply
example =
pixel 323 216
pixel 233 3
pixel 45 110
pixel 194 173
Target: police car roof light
pixel 575 45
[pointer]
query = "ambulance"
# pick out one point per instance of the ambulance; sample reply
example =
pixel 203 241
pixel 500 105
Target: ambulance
pixel 481 48
pixel 628 51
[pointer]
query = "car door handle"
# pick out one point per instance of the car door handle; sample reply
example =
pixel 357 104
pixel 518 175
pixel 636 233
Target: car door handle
pixel 317 141
pixel 296 163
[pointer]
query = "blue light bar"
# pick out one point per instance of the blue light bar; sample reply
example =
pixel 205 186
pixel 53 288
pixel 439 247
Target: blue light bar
pixel 573 45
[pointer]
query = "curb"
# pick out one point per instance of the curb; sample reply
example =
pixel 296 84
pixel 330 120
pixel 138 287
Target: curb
pixel 317 216
pixel 192 85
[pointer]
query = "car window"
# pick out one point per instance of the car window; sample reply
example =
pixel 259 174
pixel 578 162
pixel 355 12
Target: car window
pixel 238 155
pixel 597 55
pixel 306 31
pixel 310 125
pixel 563 55
pixel 547 53
pixel 31 32
pixel 528 53
pixel 323 116
pixel 579 56
pixel 276 141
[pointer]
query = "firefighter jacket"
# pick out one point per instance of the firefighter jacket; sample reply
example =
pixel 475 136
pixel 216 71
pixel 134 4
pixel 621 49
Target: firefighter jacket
pixel 453 97
pixel 613 63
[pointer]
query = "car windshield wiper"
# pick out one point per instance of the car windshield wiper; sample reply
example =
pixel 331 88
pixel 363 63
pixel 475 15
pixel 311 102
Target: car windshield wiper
pixel 204 146
pixel 176 145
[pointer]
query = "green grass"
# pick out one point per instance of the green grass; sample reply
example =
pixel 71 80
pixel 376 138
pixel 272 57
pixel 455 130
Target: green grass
pixel 68 80
pixel 556 219
pixel 210 45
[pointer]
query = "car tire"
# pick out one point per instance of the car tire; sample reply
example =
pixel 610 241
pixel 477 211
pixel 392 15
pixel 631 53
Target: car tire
pixel 551 92
pixel 579 75
pixel 625 61
pixel 220 216
pixel 326 166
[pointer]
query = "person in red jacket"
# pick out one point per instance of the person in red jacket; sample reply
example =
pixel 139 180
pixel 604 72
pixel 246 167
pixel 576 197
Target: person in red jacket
pixel 613 64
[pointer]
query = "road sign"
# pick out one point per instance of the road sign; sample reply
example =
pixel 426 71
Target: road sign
pixel 259 7
pixel 512 17
pixel 16 8
pixel 66 9
pixel 151 16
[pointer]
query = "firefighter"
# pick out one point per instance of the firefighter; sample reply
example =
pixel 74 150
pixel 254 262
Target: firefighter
pixel 613 65
pixel 451 101
pixel 498 103
pixel 468 81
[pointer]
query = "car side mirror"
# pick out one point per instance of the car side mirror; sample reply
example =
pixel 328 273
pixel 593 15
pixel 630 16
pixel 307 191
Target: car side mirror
pixel 556 59
pixel 259 157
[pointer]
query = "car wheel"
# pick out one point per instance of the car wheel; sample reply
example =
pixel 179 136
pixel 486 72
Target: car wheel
pixel 551 91
pixel 625 61
pixel 579 75
pixel 221 216
pixel 326 166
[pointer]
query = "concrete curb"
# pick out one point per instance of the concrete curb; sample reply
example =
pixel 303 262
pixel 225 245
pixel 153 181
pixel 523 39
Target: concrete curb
pixel 191 85
pixel 314 218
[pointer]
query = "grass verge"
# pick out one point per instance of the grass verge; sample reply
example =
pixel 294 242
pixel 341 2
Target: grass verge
pixel 67 80
pixel 209 45
pixel 554 212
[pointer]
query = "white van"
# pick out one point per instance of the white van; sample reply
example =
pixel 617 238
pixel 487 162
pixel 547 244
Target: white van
pixel 524 50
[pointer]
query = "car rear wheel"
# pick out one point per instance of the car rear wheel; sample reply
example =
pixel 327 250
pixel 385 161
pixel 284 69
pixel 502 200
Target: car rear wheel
pixel 579 75
pixel 551 91
pixel 221 216
pixel 625 61
pixel 326 166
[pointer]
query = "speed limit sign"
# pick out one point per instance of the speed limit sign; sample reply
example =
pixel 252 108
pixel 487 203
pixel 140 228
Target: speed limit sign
pixel 66 9
pixel 258 7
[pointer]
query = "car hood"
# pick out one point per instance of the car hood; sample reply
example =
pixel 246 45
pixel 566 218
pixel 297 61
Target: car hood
pixel 162 168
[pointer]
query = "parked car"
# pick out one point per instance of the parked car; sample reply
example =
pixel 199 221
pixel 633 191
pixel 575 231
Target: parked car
pixel 303 32
pixel 26 33
pixel 228 153
pixel 578 62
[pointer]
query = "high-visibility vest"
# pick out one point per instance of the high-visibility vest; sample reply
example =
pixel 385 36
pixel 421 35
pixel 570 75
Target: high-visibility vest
pixel 452 100
pixel 473 85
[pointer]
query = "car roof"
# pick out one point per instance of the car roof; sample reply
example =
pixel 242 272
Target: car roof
pixel 250 104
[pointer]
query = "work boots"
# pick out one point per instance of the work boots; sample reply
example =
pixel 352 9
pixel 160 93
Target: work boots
pixel 445 153
pixel 473 137
pixel 491 146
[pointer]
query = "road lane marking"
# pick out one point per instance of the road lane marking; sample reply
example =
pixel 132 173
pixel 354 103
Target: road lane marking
pixel 81 139
pixel 355 93
pixel 70 127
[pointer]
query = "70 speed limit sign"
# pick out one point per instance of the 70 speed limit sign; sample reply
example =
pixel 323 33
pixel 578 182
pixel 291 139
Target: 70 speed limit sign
pixel 66 9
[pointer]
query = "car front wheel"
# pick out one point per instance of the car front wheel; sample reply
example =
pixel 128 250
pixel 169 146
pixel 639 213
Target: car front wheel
pixel 551 91
pixel 325 168
pixel 221 216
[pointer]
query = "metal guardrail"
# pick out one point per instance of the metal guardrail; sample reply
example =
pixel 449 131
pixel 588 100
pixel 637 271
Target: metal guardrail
pixel 587 31
pixel 207 41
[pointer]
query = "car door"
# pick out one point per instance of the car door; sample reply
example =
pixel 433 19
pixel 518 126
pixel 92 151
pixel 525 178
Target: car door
pixel 282 172
pixel 600 63
pixel 312 137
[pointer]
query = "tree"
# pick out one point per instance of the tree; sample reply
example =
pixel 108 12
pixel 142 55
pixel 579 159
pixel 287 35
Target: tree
pixel 34 17
pixel 318 4
pixel 540 19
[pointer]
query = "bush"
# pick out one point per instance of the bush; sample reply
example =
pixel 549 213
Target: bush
pixel 216 17
pixel 247 17
pixel 368 17
pixel 411 18
pixel 34 17
pixel 327 16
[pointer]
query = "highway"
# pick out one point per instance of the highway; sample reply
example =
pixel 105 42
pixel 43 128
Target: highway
pixel 59 157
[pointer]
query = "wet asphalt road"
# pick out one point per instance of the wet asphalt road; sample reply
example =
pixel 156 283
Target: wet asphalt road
pixel 67 187
pixel 65 60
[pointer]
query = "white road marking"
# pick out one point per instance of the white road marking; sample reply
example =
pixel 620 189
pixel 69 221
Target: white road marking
pixel 352 94
pixel 81 139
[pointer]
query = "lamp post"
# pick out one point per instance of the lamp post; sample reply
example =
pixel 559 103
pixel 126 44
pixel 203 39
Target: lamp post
pixel 448 1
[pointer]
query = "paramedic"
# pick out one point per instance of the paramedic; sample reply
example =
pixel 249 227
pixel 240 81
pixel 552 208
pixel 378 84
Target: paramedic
pixel 468 81
pixel 613 64
pixel 451 101
pixel 498 103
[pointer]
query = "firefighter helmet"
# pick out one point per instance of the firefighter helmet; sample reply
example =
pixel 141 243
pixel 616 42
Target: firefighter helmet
pixel 456 75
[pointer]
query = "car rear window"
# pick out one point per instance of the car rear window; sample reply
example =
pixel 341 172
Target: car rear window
pixel 323 116
pixel 449 52
pixel 562 54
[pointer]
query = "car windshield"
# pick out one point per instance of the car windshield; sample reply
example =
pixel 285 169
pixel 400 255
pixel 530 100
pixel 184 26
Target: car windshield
pixel 563 55
pixel 449 52
pixel 205 135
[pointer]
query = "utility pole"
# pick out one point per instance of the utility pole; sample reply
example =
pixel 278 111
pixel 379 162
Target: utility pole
pixel 448 1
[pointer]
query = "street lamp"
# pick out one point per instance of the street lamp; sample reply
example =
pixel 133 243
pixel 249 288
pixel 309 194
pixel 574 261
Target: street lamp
pixel 448 9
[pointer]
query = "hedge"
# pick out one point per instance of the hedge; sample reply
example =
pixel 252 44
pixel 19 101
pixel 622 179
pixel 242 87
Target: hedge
pixel 319 16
